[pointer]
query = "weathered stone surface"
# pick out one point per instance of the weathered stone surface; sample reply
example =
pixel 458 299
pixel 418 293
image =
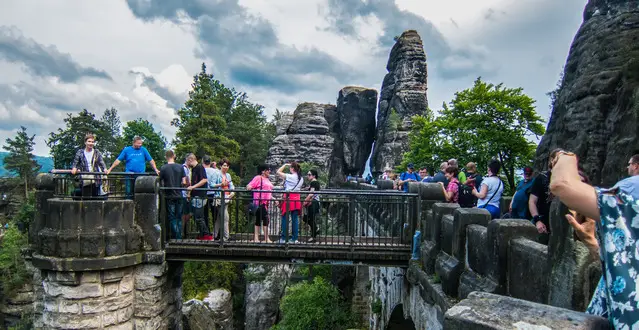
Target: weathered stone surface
pixel 353 131
pixel 197 316
pixel 595 112
pixel 527 270
pixel 220 303
pixel 263 295
pixel 307 138
pixel 488 311
pixel 404 93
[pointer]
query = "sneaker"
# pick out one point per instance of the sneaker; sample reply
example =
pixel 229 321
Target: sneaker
pixel 311 240
pixel 208 237
pixel 293 241
pixel 282 241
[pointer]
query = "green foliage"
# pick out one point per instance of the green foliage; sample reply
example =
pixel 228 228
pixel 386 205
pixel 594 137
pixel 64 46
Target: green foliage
pixel 111 142
pixel 200 123
pixel 12 268
pixel 481 123
pixel 26 213
pixel 316 305
pixel 25 323
pixel 221 122
pixel 154 141
pixel 20 159
pixel 65 142
pixel 199 278
pixel 376 306
pixel 323 271
pixel 394 120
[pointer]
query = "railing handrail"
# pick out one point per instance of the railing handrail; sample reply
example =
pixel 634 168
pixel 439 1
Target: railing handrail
pixel 317 192
pixel 57 171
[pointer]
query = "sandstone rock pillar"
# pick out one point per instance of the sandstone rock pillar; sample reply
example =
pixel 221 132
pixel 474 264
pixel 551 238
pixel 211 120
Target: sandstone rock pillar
pixel 101 262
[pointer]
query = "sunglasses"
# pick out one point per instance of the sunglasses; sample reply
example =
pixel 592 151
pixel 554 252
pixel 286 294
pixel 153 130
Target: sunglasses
pixel 309 173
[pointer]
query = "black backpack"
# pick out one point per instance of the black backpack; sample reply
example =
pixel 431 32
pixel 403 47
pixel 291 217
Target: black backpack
pixel 466 198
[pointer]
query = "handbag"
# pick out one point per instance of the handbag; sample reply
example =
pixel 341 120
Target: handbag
pixel 253 207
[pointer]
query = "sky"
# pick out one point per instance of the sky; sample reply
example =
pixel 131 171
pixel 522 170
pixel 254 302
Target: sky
pixel 139 56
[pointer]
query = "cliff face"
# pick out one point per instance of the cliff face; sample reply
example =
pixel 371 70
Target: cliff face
pixel 304 138
pixel 596 113
pixel 403 95
pixel 352 126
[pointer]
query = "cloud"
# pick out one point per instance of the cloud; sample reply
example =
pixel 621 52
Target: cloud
pixel 451 63
pixel 173 100
pixel 40 60
pixel 246 47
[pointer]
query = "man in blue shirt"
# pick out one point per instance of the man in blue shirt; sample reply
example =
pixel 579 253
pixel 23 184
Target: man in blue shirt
pixel 135 158
pixel 630 185
pixel 519 204
pixel 408 176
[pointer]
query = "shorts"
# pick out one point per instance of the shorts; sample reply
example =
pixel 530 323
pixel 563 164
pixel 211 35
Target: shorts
pixel 261 216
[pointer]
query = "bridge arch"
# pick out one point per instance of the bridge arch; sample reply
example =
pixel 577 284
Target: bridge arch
pixel 396 321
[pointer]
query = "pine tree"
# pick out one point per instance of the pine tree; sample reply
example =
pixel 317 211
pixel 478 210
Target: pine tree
pixel 20 159
pixel 111 142
pixel 201 125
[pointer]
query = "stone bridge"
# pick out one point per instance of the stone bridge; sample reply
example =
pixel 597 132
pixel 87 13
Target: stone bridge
pixel 102 264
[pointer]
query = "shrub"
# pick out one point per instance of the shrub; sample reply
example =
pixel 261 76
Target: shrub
pixel 199 278
pixel 316 305
pixel 12 268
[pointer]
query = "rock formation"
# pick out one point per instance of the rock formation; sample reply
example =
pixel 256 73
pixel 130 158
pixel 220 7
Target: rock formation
pixel 403 95
pixel 264 288
pixel 306 138
pixel 353 129
pixel 596 112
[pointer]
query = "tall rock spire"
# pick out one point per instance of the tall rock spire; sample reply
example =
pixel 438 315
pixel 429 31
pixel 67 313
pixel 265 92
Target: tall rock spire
pixel 403 95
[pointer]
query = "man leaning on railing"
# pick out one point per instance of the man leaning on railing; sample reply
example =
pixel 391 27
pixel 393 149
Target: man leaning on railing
pixel 135 157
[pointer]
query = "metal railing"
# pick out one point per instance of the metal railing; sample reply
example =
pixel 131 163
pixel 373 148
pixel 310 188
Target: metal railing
pixel 334 218
pixel 94 185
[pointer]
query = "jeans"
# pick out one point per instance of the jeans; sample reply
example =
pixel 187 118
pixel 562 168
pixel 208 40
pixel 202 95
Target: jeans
pixel 296 222
pixel 198 214
pixel 224 226
pixel 174 214
pixel 129 186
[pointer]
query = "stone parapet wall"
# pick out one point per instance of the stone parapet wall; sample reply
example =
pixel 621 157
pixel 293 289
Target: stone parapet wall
pixel 464 251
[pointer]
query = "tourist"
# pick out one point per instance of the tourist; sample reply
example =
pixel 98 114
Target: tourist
pixel 172 176
pixel 518 208
pixel 616 210
pixel 441 175
pixel 261 199
pixel 423 175
pixel 461 175
pixel 409 176
pixel 473 178
pixel 212 174
pixel 225 183
pixel 386 175
pixel 198 197
pixel 540 199
pixel 293 181
pixel 186 204
pixel 489 195
pixel 89 159
pixel 135 157
pixel 452 192
pixel 312 205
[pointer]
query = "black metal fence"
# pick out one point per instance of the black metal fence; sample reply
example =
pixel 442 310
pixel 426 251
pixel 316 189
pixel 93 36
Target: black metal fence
pixel 95 185
pixel 327 217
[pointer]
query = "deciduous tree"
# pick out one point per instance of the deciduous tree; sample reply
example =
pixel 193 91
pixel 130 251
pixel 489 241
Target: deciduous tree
pixel 154 141
pixel 65 142
pixel 481 123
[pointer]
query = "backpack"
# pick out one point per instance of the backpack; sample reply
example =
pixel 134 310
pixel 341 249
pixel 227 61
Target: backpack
pixel 465 197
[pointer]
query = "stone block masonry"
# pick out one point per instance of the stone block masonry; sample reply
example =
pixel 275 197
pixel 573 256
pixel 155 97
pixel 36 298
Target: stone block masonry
pixel 101 263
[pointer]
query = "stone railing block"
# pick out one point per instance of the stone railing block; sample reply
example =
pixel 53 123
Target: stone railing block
pixel 489 311
pixel 463 217
pixel 476 238
pixel 384 184
pixel 430 191
pixel 45 186
pixel 471 282
pixel 146 211
pixel 439 210
pixel 500 233
pixel 527 270
pixel 447 233
pixel 449 270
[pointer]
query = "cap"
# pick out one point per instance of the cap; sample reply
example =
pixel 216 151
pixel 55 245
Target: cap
pixel 410 165
pixel 528 170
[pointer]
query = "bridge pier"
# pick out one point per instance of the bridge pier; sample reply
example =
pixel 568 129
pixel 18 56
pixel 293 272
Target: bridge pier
pixel 101 264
